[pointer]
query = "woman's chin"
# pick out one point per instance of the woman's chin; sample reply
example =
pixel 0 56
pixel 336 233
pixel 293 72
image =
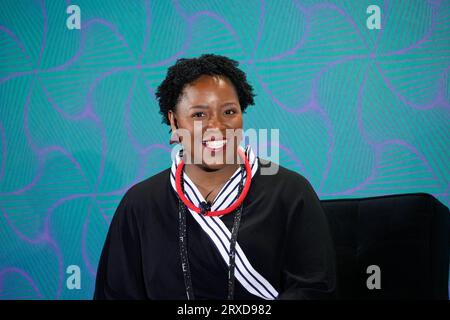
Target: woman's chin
pixel 213 165
pixel 212 160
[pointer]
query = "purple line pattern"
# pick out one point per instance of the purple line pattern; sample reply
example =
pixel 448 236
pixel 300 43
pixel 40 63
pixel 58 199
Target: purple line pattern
pixel 360 112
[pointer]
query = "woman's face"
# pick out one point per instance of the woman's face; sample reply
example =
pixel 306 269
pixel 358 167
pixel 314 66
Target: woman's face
pixel 208 116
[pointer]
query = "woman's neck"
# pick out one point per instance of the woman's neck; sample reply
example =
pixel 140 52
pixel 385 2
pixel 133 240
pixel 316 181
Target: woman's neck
pixel 209 182
pixel 207 178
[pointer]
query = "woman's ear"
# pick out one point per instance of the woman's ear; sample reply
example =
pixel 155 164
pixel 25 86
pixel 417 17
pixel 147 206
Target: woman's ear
pixel 172 120
pixel 174 126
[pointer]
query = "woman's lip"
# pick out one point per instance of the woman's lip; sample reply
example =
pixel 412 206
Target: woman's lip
pixel 215 149
pixel 204 141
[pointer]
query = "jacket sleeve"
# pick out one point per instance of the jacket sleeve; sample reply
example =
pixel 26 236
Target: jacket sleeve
pixel 309 260
pixel 119 273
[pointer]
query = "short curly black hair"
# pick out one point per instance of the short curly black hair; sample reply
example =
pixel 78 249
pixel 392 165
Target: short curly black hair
pixel 185 71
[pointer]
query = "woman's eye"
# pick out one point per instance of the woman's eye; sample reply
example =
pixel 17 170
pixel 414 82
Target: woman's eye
pixel 230 111
pixel 198 114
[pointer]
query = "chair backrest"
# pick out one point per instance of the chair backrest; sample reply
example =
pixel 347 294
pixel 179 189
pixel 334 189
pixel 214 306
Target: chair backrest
pixel 406 236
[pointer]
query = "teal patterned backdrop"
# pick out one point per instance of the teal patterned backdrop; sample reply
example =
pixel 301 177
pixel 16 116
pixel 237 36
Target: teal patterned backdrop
pixel 361 112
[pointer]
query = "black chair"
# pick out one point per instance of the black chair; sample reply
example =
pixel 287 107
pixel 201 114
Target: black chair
pixel 406 236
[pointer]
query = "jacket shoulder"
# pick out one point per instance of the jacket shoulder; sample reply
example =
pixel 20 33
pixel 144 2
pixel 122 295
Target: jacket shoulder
pixel 277 172
pixel 148 187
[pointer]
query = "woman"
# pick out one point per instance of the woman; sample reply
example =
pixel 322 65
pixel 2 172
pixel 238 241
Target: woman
pixel 213 226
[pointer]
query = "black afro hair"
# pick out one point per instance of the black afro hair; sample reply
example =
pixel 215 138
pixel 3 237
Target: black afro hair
pixel 186 71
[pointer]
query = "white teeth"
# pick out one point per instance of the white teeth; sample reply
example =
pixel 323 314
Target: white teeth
pixel 215 144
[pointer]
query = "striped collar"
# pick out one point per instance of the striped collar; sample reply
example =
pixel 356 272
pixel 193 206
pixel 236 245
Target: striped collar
pixel 220 235
pixel 229 192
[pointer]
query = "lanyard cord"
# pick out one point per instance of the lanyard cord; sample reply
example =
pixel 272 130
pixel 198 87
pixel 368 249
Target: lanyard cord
pixel 234 234
pixel 183 251
pixel 232 252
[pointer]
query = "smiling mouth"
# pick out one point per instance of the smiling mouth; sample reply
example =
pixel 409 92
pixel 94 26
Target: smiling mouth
pixel 214 145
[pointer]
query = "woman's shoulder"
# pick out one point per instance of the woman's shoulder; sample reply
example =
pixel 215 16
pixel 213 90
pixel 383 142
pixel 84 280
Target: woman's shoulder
pixel 276 173
pixel 149 187
pixel 286 183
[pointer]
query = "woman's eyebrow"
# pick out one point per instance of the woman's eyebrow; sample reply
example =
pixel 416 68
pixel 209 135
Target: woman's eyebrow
pixel 198 106
pixel 228 103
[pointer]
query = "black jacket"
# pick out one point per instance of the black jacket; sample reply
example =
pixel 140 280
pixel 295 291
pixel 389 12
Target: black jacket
pixel 284 234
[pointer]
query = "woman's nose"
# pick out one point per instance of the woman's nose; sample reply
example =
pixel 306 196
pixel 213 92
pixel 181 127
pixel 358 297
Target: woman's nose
pixel 215 121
